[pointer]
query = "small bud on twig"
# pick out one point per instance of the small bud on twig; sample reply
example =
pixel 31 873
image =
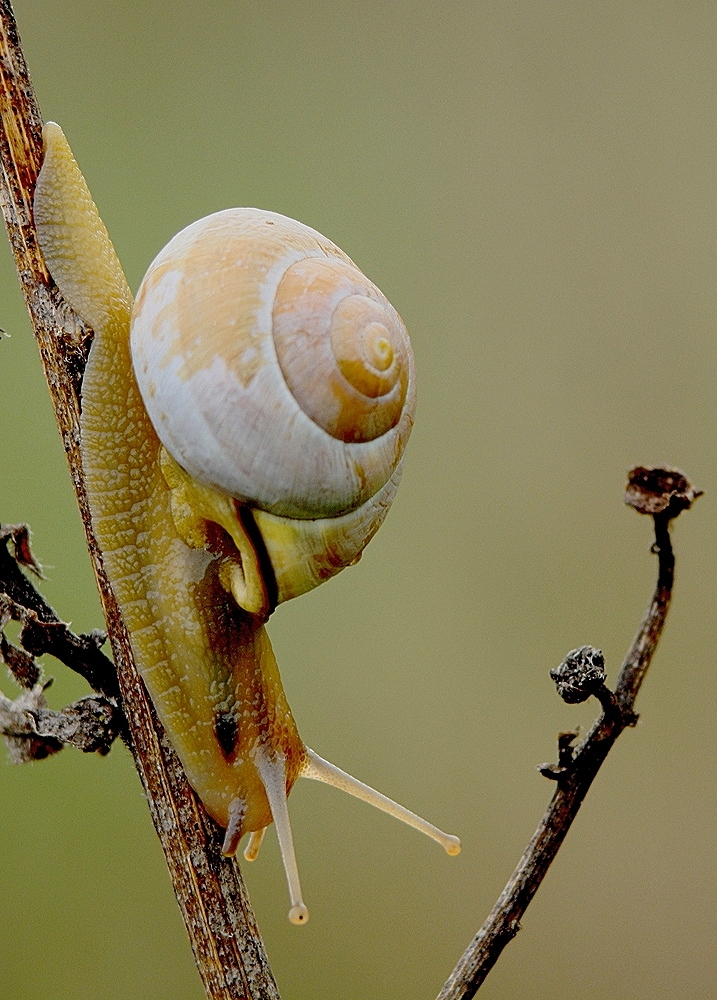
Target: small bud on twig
pixel 580 675
pixel 656 489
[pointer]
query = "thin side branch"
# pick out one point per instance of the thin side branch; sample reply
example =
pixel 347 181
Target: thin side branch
pixel 42 630
pixel 221 926
pixel 663 493
pixel 31 730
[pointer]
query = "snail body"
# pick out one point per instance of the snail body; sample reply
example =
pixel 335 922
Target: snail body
pixel 206 523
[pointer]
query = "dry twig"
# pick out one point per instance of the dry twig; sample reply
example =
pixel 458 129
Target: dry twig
pixel 663 493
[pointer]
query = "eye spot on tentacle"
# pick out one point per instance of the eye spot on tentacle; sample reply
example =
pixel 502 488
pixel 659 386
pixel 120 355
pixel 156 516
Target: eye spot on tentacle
pixel 226 732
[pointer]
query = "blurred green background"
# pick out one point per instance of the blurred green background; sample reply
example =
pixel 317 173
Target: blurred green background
pixel 534 187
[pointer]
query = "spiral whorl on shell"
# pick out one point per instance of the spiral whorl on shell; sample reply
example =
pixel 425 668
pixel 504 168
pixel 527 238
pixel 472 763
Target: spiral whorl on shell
pixel 276 373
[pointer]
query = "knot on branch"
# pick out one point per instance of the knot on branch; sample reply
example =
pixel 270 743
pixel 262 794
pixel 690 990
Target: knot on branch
pixel 17 726
pixel 566 757
pixel 32 731
pixel 580 675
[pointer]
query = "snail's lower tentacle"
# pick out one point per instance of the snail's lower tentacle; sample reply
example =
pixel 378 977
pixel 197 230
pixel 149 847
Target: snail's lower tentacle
pixel 237 812
pixel 251 851
pixel 272 770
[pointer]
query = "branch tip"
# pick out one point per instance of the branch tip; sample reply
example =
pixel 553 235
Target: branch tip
pixel 660 490
pixel 19 537
pixel 566 757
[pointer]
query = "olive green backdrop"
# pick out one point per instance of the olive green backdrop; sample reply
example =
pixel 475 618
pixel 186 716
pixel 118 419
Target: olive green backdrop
pixel 534 186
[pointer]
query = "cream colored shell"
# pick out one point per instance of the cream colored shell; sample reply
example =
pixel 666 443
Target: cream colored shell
pixel 273 370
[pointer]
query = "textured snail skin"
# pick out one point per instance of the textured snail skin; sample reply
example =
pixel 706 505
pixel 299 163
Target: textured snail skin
pixel 194 571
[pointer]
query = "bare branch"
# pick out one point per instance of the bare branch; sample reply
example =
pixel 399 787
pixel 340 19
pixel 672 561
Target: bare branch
pixel 226 943
pixel 663 493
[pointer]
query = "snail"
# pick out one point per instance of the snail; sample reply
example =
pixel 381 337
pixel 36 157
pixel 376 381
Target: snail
pixel 243 429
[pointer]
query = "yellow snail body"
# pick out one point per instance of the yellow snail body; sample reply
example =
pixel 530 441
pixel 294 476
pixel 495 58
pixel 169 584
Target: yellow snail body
pixel 242 450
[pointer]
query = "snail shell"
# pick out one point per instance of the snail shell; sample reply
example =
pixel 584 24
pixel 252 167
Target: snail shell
pixel 275 372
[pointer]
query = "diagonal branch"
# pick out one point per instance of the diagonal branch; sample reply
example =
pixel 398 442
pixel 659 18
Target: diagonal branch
pixel 221 926
pixel 663 493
